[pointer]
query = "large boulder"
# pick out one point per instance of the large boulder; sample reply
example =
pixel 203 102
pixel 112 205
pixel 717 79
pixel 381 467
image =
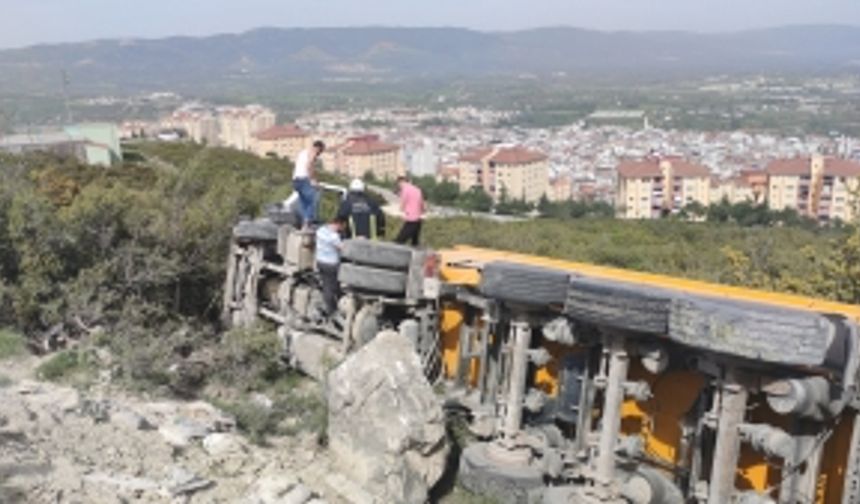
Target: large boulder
pixel 386 426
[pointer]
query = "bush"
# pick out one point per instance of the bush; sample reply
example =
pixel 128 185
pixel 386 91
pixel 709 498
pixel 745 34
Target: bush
pixel 67 366
pixel 294 408
pixel 11 344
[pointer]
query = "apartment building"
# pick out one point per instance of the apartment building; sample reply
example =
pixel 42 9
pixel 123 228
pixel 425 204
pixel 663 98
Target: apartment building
pixel 747 186
pixel 96 144
pixel 237 125
pixel 283 141
pixel 656 186
pixel 560 189
pixel 824 188
pixel 224 126
pixel 363 155
pixel 516 172
pixel 199 125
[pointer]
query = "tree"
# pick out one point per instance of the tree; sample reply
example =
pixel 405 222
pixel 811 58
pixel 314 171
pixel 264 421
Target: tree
pixel 475 200
pixel 446 193
pixel 695 210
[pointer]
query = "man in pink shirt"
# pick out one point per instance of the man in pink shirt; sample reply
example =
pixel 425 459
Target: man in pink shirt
pixel 412 205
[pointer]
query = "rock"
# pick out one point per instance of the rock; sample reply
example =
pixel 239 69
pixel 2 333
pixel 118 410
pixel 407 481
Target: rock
pixel 182 431
pixel 211 417
pixel 349 490
pixel 386 426
pixel 300 494
pixel 220 444
pixel 122 482
pixel 262 401
pixel 181 481
pixel 27 387
pixel 96 409
pixel 270 489
pixel 130 420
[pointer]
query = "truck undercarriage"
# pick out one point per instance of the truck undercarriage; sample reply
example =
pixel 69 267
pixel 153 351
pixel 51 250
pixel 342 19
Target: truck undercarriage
pixel 585 384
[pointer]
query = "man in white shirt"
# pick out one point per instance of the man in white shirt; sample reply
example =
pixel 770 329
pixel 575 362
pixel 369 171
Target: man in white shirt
pixel 328 246
pixel 304 182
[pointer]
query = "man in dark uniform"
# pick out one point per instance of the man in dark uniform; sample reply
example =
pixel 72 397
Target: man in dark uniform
pixel 363 216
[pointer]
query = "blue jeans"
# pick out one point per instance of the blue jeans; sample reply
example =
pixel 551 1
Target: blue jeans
pixel 307 199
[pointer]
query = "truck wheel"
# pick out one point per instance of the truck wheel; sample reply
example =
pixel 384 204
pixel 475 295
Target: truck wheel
pixel 256 230
pixel 523 284
pixel 753 331
pixel 381 254
pixel 506 484
pixel 618 305
pixel 365 278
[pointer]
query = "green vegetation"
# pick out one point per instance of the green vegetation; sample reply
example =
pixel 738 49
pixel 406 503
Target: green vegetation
pixel 821 262
pixel 11 344
pixel 462 496
pixel 68 366
pixel 247 363
pixel 134 258
pixel 136 251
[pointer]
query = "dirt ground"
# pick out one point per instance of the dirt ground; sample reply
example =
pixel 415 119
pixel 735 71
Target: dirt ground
pixel 60 445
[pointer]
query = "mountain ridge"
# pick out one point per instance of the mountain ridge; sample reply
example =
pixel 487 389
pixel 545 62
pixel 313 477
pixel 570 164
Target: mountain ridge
pixel 268 55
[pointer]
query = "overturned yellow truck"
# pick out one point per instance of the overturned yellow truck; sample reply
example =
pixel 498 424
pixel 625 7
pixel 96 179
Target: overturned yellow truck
pixel 585 384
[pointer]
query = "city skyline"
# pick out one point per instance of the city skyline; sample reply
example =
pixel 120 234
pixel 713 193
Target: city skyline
pixel 60 21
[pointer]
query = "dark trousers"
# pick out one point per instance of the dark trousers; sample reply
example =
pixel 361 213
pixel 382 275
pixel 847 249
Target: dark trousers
pixel 410 232
pixel 330 286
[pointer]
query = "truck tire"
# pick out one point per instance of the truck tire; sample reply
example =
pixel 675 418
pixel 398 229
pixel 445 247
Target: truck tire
pixel 752 331
pixel 504 484
pixel 377 280
pixel 256 230
pixel 281 216
pixel 524 284
pixel 619 305
pixel 380 254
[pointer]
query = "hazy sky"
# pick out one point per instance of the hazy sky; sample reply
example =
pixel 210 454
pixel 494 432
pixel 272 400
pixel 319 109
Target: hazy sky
pixel 24 22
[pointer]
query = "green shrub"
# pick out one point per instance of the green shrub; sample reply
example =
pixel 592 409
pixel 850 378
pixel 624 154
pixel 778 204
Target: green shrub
pixel 67 366
pixel 11 344
pixel 462 496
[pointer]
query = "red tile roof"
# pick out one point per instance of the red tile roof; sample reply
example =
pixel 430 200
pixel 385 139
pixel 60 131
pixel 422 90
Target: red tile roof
pixel 517 155
pixel 640 169
pixel 803 166
pixel 476 155
pixel 789 167
pixel 368 147
pixel 449 171
pixel 841 168
pixel 280 132
pixel 682 168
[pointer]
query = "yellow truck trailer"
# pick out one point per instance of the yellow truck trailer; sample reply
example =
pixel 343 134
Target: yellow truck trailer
pixel 582 383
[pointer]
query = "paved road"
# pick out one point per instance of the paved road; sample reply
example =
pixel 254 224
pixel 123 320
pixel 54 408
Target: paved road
pixel 392 207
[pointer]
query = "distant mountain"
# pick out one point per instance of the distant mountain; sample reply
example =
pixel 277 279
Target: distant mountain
pixel 270 55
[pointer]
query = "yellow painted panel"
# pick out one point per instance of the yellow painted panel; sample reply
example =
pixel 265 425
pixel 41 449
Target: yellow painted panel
pixel 658 420
pixel 452 318
pixel 477 256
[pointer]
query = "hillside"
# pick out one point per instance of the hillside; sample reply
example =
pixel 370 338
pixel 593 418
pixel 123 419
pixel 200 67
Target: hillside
pixel 271 55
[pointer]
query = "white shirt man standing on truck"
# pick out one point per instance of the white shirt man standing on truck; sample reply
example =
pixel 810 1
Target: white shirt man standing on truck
pixel 305 182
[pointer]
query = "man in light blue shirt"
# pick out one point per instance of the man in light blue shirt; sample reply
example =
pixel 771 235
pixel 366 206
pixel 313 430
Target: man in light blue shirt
pixel 328 245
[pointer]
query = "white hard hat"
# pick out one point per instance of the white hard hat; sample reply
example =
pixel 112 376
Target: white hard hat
pixel 357 185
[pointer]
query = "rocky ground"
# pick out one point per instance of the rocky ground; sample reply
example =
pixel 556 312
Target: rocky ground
pixel 59 444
